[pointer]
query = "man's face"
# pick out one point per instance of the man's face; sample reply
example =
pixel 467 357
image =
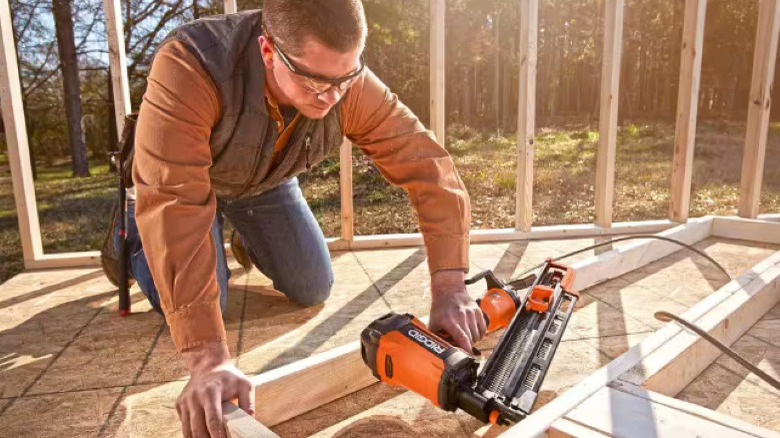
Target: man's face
pixel 316 59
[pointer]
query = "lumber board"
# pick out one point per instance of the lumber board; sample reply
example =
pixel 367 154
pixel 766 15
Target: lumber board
pixel 231 6
pixel 16 140
pixel 687 109
pixel 438 10
pixel 608 118
pixel 526 114
pixel 537 424
pixel 118 62
pixel 669 369
pixel 239 424
pixel 764 58
pixel 765 231
pixel 345 187
pixel 623 412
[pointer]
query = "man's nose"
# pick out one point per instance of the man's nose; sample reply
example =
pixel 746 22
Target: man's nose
pixel 330 97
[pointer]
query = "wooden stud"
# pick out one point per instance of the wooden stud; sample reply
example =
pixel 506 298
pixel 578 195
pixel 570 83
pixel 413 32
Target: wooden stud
pixel 438 14
pixel 118 61
pixel 529 19
pixel 687 109
pixel 610 88
pixel 764 58
pixel 239 424
pixel 625 410
pixel 345 184
pixel 16 138
pixel 231 6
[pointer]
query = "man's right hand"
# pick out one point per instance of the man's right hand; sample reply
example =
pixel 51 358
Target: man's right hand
pixel 213 379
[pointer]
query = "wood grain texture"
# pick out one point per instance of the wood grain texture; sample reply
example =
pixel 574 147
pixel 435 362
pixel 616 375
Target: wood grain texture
pixel 526 116
pixel 608 118
pixel 16 139
pixel 764 57
pixel 687 109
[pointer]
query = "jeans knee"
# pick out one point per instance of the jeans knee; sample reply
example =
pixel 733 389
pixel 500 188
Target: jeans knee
pixel 307 293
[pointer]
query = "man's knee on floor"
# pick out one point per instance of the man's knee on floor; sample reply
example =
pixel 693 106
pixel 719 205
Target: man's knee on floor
pixel 306 293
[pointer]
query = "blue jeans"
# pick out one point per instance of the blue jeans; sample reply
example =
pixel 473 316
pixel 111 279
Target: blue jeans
pixel 281 235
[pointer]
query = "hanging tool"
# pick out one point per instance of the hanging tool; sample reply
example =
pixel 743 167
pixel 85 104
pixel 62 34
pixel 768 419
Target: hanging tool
pixel 402 351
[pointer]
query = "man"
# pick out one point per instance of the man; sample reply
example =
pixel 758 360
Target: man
pixel 236 107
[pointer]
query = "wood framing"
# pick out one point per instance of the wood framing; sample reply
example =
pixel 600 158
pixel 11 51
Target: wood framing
pixel 526 115
pixel 16 138
pixel 610 88
pixel 438 10
pixel 764 58
pixel 239 424
pixel 118 62
pixel 327 376
pixel 672 353
pixel 687 109
pixel 231 6
pixel 345 187
pixel 621 410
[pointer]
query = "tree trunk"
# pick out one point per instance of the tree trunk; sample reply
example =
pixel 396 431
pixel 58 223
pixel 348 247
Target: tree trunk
pixel 71 85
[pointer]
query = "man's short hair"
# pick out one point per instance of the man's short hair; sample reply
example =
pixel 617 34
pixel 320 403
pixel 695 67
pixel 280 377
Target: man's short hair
pixel 339 24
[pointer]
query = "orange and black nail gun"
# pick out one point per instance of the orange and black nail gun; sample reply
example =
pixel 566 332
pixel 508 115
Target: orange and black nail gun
pixel 401 351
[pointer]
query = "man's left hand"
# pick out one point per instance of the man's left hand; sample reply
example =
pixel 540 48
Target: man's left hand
pixel 454 311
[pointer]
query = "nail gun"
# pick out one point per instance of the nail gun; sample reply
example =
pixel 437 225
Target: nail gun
pixel 402 351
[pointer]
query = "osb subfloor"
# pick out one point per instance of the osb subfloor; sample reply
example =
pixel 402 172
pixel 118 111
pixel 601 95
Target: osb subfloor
pixel 726 386
pixel 69 366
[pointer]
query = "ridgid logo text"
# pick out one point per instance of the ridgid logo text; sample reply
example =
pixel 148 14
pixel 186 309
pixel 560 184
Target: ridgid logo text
pixel 429 343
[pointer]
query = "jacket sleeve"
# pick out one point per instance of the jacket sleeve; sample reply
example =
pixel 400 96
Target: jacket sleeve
pixel 408 156
pixel 175 204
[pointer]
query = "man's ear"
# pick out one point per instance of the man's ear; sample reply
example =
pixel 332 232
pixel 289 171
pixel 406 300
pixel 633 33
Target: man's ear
pixel 266 51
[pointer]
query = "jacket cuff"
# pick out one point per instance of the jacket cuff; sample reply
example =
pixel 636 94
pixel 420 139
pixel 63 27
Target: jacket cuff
pixel 447 252
pixel 196 325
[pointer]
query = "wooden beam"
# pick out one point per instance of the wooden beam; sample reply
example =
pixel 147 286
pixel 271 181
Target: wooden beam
pixel 764 58
pixel 239 424
pixel 380 241
pixel 687 109
pixel 526 114
pixel 118 62
pixel 672 367
pixel 16 139
pixel 438 18
pixel 610 88
pixel 345 184
pixel 231 6
pixel 539 422
pixel 764 231
pixel 624 410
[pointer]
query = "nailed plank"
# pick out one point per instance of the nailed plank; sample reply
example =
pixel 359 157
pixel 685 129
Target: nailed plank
pixel 610 87
pixel 526 114
pixel 687 108
pixel 16 139
pixel 345 185
pixel 765 231
pixel 118 62
pixel 625 413
pixel 672 367
pixel 438 10
pixel 615 263
pixel 764 57
pixel 239 424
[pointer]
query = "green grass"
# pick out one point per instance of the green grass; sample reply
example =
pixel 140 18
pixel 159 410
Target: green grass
pixel 74 211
